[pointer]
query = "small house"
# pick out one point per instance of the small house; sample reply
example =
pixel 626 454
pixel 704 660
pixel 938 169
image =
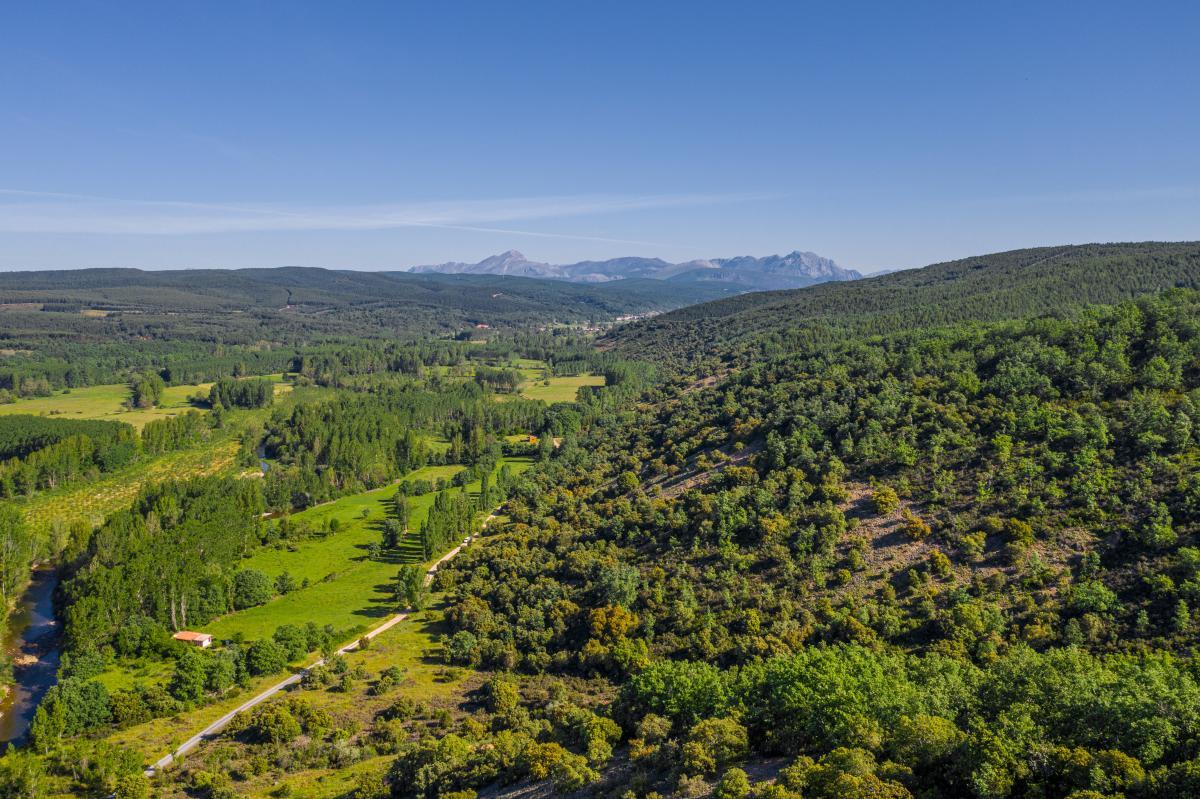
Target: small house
pixel 202 640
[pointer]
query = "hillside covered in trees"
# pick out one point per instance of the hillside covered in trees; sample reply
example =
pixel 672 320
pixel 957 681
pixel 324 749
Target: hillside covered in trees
pixel 311 289
pixel 1005 285
pixel 908 565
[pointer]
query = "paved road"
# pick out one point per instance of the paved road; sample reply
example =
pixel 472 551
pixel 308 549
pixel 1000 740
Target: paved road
pixel 213 729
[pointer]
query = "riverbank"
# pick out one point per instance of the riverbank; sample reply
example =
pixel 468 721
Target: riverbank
pixel 33 646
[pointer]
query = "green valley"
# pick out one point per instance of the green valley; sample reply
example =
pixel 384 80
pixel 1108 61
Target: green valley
pixel 870 538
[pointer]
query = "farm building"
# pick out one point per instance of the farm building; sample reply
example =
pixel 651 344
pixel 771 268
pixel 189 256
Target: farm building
pixel 202 640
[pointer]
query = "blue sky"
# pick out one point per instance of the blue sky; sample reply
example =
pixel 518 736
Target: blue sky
pixel 382 135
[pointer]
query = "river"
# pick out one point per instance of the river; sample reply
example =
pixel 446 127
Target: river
pixel 32 642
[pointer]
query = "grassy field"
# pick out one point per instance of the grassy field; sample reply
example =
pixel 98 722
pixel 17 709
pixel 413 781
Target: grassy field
pixel 142 672
pixel 560 389
pixel 529 368
pixel 108 402
pixel 536 385
pixel 346 589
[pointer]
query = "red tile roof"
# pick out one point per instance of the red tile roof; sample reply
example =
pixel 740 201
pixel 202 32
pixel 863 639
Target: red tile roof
pixel 188 635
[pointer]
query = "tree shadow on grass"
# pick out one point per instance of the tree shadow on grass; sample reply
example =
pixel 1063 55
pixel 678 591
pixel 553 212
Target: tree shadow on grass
pixel 394 556
pixel 382 602
pixel 381 610
pixel 434 627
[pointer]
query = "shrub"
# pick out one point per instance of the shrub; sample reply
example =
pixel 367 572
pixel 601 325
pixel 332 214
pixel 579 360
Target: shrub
pixel 250 588
pixel 714 743
pixel 914 526
pixel 734 784
pixel 885 500
pixel 265 657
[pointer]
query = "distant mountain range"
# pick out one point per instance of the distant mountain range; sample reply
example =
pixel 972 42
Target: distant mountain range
pixel 986 288
pixel 743 273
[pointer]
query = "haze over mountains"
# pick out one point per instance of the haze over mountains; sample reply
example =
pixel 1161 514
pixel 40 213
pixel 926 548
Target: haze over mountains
pixel 745 273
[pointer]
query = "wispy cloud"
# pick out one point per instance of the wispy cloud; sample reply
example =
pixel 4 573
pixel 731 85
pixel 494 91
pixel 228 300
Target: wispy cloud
pixel 50 212
pixel 1105 195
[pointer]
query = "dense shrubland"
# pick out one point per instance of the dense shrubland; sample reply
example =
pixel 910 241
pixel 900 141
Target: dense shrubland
pixel 915 563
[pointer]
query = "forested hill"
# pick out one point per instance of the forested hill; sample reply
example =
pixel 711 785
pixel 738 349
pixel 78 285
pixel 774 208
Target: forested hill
pixel 942 563
pixel 478 297
pixel 1000 286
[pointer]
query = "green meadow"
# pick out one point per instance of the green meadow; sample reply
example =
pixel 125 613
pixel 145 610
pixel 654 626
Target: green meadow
pixel 559 389
pixel 109 402
pixel 345 588
pixel 536 385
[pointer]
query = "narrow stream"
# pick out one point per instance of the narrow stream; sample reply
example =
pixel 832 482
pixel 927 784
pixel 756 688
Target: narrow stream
pixel 32 642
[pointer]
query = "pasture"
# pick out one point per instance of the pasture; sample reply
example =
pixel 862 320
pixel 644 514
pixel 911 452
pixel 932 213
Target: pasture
pixel 109 402
pixel 559 389
pixel 345 588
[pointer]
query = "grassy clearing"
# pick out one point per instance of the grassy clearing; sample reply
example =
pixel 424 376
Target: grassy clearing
pixel 529 368
pixel 132 673
pixel 345 589
pixel 108 402
pixel 316 784
pixel 536 385
pixel 560 389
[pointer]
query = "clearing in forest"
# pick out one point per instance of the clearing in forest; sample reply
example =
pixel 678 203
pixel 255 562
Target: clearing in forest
pixel 559 389
pixel 109 402
pixel 346 588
